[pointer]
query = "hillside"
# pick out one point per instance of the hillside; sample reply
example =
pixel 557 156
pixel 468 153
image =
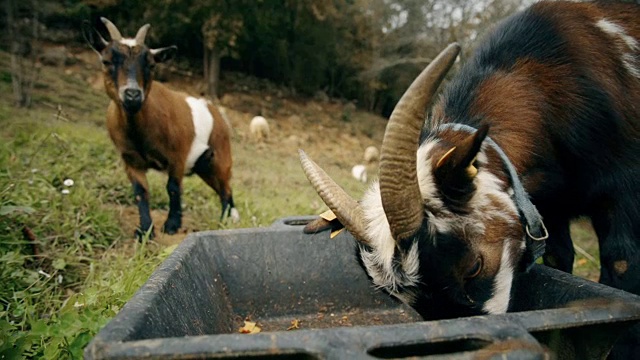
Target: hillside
pixel 330 131
pixel 69 261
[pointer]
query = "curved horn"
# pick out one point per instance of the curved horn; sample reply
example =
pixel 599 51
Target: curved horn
pixel 142 33
pixel 399 189
pixel 347 210
pixel 114 33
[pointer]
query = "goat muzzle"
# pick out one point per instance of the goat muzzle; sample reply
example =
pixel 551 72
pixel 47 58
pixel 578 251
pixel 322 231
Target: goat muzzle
pixel 132 100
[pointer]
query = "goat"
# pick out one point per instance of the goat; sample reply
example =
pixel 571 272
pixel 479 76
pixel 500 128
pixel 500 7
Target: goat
pixel 452 218
pixel 154 127
pixel 371 154
pixel 359 172
pixel 259 128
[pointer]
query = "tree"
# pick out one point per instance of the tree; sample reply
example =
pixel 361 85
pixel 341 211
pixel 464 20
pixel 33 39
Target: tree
pixel 414 33
pixel 213 26
pixel 220 34
pixel 23 30
pixel 364 50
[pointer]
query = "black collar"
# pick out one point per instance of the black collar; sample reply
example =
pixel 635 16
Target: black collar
pixel 529 215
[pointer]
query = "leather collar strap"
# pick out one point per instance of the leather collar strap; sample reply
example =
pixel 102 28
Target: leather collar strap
pixel 533 225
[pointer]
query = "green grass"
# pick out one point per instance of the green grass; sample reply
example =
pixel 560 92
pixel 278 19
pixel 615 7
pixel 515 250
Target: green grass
pixel 65 280
pixel 66 263
pixel 585 243
pixel 66 267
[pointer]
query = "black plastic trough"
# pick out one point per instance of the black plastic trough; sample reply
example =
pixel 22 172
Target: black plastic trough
pixel 195 302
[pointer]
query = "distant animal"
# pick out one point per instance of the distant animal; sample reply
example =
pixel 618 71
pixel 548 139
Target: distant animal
pixel 359 172
pixel 154 127
pixel 543 121
pixel 371 154
pixel 259 128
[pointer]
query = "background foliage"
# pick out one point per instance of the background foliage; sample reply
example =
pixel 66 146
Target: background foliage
pixel 361 50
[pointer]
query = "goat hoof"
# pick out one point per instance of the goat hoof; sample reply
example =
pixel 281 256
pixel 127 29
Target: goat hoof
pixel 171 227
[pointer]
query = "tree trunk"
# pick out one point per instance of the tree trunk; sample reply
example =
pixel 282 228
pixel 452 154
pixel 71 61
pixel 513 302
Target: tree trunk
pixel 212 73
pixel 24 54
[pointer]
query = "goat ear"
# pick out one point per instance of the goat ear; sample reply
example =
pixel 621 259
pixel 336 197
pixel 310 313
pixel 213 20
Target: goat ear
pixel 91 35
pixel 462 156
pixel 164 54
pixel 455 170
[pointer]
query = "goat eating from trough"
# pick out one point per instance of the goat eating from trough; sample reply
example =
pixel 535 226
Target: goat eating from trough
pixel 545 112
pixel 154 127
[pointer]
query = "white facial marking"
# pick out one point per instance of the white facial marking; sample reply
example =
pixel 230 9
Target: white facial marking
pixel 379 233
pixel 488 188
pixel 130 84
pixel 129 42
pixel 628 58
pixel 411 264
pixel 379 260
pixel 202 125
pixel 489 201
pixel 429 191
pixel 426 181
pixel 499 302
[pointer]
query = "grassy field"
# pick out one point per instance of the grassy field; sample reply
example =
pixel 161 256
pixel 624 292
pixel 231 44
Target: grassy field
pixel 68 261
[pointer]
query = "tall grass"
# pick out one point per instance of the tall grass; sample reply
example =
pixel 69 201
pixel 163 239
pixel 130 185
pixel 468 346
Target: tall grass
pixel 66 267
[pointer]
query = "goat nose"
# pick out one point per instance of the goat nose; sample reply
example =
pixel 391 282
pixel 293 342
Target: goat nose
pixel 132 95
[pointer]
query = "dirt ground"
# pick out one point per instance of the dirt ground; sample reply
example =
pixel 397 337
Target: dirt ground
pixel 128 218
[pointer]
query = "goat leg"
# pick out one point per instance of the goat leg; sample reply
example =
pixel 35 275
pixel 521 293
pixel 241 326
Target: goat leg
pixel 559 253
pixel 174 220
pixel 140 186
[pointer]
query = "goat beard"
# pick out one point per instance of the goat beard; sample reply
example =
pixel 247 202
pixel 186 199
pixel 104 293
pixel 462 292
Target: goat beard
pixel 132 107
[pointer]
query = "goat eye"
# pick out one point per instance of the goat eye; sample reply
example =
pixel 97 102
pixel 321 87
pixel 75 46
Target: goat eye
pixel 106 63
pixel 475 269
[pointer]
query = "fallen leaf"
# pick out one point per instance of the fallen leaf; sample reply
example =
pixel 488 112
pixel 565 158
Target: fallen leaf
pixel 249 328
pixel 328 215
pixel 581 262
pixel 295 324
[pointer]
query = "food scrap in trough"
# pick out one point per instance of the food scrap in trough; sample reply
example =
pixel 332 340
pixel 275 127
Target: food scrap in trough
pixel 249 328
pixel 295 324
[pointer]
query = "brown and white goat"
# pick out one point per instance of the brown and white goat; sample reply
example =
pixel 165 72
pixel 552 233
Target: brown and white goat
pixel 154 127
pixel 546 112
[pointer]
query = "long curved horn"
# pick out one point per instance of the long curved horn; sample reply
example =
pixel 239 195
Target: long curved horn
pixel 142 33
pixel 347 210
pixel 114 33
pixel 399 189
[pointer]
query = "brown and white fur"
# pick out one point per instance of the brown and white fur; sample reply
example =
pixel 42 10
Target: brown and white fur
pixel 557 88
pixel 154 127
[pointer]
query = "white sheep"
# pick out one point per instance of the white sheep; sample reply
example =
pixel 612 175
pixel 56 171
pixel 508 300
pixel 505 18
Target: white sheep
pixel 371 155
pixel 359 172
pixel 259 128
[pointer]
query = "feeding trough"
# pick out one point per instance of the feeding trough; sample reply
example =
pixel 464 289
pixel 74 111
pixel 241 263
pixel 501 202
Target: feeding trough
pixel 311 300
